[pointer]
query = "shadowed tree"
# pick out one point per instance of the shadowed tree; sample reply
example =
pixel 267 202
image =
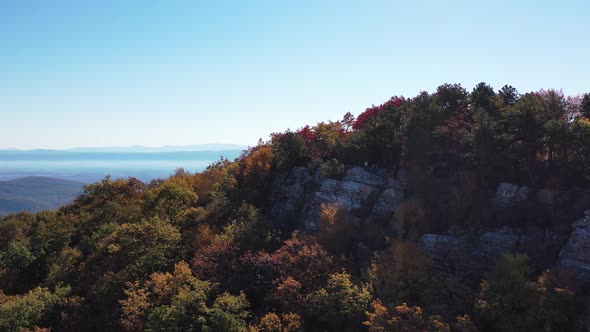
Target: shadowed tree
pixel 509 95
pixel 585 106
pixel 483 97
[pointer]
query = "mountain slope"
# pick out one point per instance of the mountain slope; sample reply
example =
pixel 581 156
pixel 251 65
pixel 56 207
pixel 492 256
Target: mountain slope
pixel 36 193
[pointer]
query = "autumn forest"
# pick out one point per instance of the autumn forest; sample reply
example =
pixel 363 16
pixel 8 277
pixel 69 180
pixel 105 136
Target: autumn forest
pixel 274 241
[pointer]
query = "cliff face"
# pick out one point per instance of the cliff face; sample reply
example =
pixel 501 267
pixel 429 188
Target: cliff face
pixel 374 194
pixel 297 195
pixel 547 241
pixel 575 255
pixel 288 195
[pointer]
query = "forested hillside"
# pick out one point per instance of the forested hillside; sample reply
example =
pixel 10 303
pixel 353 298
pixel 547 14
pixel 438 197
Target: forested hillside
pixel 36 193
pixel 339 226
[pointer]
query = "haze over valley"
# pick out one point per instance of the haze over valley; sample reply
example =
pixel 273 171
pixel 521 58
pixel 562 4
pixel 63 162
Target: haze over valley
pixel 36 180
pixel 92 164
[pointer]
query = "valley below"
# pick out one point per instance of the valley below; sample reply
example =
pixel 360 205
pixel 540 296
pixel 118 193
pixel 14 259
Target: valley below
pixel 38 180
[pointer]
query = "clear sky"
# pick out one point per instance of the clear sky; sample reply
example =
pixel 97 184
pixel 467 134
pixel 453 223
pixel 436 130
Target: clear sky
pixel 123 72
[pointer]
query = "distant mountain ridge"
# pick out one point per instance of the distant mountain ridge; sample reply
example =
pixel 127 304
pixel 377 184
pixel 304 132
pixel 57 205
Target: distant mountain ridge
pixel 140 148
pixel 91 166
pixel 37 193
pixel 35 180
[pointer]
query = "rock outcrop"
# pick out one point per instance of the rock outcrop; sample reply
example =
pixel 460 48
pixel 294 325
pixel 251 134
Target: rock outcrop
pixel 493 244
pixel 355 193
pixel 575 255
pixel 361 175
pixel 386 205
pixel 288 196
pixel 448 253
pixel 470 255
pixel 364 193
pixel 374 194
pixel 540 232
pixel 467 256
pixel 352 196
pixel 510 195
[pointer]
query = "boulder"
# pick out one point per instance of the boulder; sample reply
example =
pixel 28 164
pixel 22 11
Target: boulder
pixel 575 255
pixel 386 205
pixel 360 175
pixel 492 244
pixel 509 195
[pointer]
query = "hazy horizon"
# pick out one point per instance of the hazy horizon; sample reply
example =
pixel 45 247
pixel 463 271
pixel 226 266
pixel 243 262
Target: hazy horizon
pixel 89 166
pixel 149 148
pixel 124 73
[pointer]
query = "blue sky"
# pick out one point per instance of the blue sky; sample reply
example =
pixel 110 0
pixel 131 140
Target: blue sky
pixel 119 73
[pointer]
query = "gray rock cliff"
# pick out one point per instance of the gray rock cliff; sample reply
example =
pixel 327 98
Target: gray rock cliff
pixel 288 196
pixel 575 255
pixel 297 196
pixel 509 195
pixel 356 193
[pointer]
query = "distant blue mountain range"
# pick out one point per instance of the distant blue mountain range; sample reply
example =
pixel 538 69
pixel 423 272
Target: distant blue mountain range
pixel 92 164
pixel 34 180
pixel 141 148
